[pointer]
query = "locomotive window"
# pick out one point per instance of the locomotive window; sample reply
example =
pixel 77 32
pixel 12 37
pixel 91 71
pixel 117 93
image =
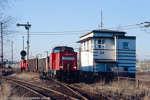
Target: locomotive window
pixel 70 49
pixel 62 49
pixel 56 50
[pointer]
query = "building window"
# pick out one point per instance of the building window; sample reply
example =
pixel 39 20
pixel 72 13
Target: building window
pixel 84 46
pixel 100 44
pixel 92 44
pixel 125 45
pixel 102 52
pixel 87 45
pixel 103 41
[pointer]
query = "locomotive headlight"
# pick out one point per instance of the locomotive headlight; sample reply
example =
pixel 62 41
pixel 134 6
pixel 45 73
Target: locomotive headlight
pixel 75 67
pixel 61 67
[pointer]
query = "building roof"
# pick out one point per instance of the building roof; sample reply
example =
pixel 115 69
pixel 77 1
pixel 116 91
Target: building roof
pixel 86 39
pixel 103 31
pixel 119 37
pixel 104 61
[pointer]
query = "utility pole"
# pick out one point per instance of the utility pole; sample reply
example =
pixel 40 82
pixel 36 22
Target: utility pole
pixel 23 42
pixel 47 53
pixel 27 27
pixel 101 20
pixel 1 45
pixel 12 52
pixel 31 55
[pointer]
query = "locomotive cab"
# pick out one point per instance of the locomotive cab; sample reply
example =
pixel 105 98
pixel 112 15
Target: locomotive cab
pixel 63 58
pixel 63 61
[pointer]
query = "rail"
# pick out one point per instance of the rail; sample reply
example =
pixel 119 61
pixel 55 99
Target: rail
pixel 84 98
pixel 71 87
pixel 100 95
pixel 31 90
pixel 34 85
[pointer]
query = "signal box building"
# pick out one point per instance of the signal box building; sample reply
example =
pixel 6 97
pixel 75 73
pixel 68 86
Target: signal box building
pixel 107 51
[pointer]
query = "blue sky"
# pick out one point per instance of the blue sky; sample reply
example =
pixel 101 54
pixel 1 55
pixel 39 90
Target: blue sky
pixel 74 15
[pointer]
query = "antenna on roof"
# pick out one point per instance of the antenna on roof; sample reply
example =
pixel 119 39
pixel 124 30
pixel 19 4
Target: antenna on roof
pixel 101 26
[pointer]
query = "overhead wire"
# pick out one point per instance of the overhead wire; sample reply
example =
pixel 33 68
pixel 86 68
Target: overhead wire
pixel 130 28
pixel 41 33
pixel 123 26
pixel 133 26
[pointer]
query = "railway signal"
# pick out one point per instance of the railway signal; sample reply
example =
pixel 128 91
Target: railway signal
pixel 27 27
pixel 23 53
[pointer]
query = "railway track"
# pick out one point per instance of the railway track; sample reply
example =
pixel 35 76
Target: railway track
pixel 42 91
pixel 91 95
pixel 38 95
pixel 57 90
pixel 65 89
pixel 86 95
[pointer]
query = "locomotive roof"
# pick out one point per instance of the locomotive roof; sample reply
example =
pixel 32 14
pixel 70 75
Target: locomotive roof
pixel 62 47
pixel 104 31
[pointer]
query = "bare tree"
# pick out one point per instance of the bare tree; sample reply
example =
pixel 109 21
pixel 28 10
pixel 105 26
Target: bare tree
pixel 8 30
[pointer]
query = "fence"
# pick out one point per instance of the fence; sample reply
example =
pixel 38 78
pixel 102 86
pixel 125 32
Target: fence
pixel 135 82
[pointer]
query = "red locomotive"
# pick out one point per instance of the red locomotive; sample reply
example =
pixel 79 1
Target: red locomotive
pixel 62 64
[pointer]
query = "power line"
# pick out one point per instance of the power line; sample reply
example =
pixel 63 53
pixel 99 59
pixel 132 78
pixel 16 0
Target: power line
pixel 58 31
pixel 54 34
pixel 63 31
pixel 133 26
pixel 73 32
pixel 130 28
pixel 124 26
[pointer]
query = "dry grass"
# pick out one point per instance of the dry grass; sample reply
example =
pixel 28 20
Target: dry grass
pixel 28 76
pixel 121 89
pixel 7 92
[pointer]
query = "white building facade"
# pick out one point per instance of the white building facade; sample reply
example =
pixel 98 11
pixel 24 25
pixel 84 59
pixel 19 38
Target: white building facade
pixel 108 51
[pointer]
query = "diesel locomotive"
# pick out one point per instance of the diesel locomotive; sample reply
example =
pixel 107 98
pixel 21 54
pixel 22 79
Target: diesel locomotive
pixel 61 64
